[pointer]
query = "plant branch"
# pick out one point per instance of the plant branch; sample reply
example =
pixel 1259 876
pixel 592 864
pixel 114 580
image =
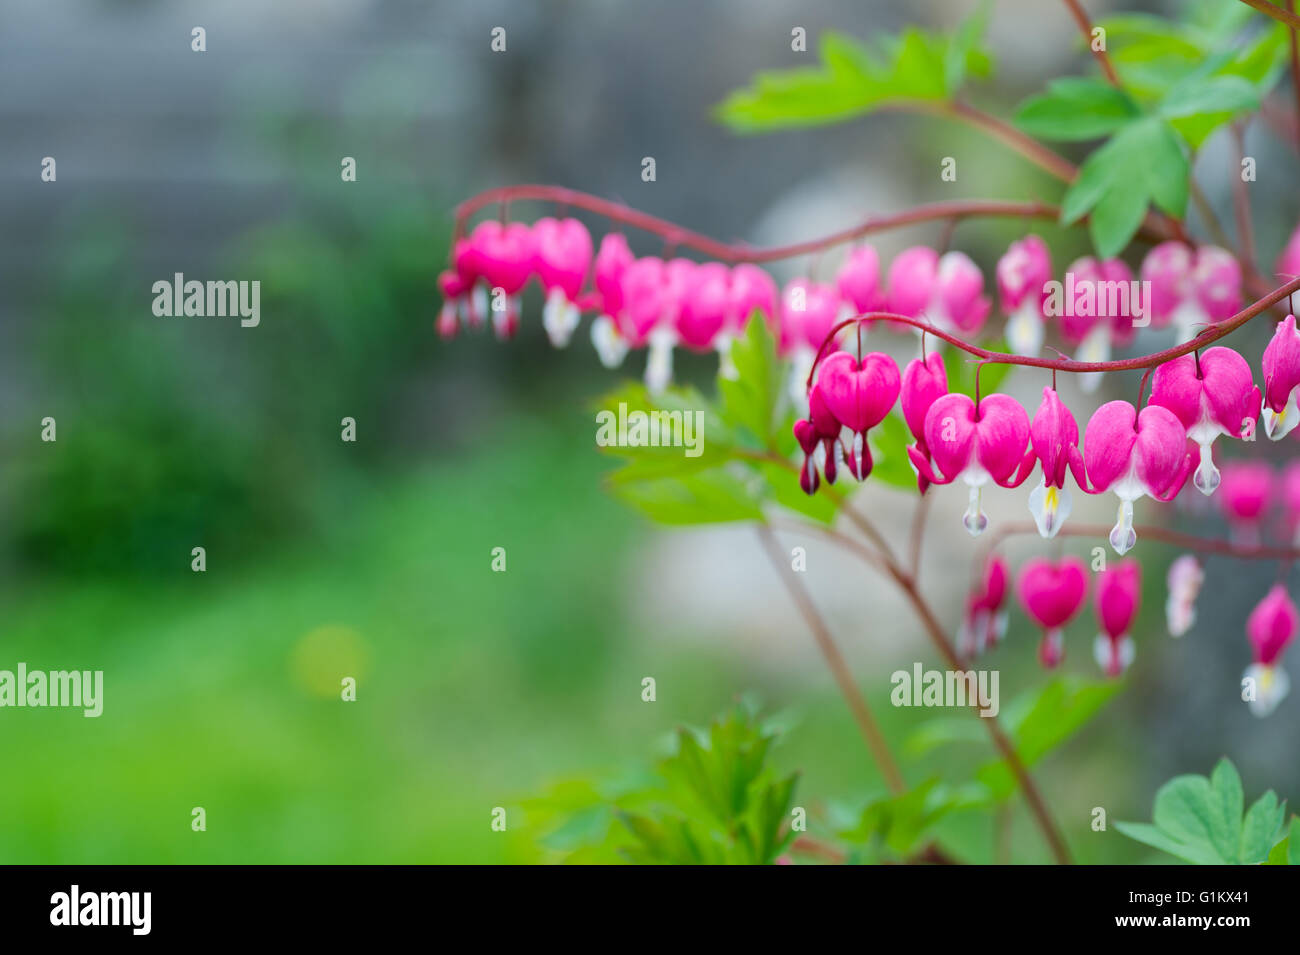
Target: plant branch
pixel 1277 13
pixel 1005 747
pixel 839 668
pixel 1210 334
pixel 1085 27
pixel 670 232
pixel 1027 146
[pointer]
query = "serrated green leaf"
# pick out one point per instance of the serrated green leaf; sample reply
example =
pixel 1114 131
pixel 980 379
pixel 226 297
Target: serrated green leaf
pixel 1150 835
pixel 1076 108
pixel 854 78
pixel 1261 828
pixel 1200 820
pixel 1140 164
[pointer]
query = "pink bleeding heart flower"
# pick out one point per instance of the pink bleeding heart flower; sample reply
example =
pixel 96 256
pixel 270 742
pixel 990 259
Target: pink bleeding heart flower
pixel 1135 455
pixel 1211 396
pixel 1270 628
pixel 453 291
pixel 1052 593
pixel 1098 304
pixel 818 437
pixel 858 283
pixel 612 261
pixel 1282 380
pixel 561 258
pixel 1168 269
pixel 1119 594
pixel 1184 582
pixel 924 383
pixel 911 280
pixel 1246 492
pixel 1216 281
pixel 859 394
pixel 751 289
pixel 1023 273
pixel 503 256
pixel 808 313
pixel 977 445
pixel 704 307
pixel 959 301
pixel 985 620
pixel 1190 289
pixel 651 290
pixel 1054 437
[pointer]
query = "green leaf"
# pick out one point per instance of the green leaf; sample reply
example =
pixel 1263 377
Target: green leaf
pixel 783 487
pixel 1076 108
pixel 1261 828
pixel 1200 820
pixel 750 396
pixel 705 497
pixel 854 79
pixel 1200 105
pixel 1142 163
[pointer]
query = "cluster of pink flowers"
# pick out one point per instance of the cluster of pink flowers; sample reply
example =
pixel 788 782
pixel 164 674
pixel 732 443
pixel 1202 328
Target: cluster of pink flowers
pixel 660 304
pixel 1052 593
pixel 1195 400
pixel 657 304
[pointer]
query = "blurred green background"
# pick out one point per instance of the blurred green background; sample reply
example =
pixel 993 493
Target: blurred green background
pixel 329 559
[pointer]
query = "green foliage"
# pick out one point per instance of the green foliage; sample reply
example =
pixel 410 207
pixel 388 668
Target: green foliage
pixel 715 800
pixel 855 78
pixel 1287 852
pixel 1155 56
pixel 1141 164
pixel 1076 108
pixel 894 827
pixel 1200 820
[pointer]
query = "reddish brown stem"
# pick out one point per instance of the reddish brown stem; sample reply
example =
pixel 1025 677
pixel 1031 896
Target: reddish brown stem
pixel 871 733
pixel 956 209
pixel 1211 334
pixel 1277 13
pixel 1085 27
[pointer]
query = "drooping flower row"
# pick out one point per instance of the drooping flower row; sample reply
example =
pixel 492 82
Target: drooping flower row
pixel 1195 400
pixel 660 304
pixel 1052 592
